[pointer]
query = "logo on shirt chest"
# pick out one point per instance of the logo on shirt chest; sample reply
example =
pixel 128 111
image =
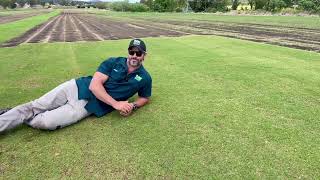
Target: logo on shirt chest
pixel 138 78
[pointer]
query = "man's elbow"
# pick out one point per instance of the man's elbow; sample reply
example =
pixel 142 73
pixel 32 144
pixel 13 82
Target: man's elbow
pixel 92 87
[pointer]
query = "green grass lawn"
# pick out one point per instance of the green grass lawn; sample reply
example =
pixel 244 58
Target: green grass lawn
pixel 221 108
pixel 16 28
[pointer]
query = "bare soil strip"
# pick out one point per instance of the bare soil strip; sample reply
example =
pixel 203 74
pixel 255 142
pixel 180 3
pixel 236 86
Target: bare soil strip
pixel 71 27
pixel 91 28
pixel 16 17
pixel 85 34
pixel 300 38
pixel 41 32
pixel 56 23
pixel 78 33
pixel 56 30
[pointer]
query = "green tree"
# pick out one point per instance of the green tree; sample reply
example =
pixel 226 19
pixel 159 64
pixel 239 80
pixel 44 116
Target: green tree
pixel 199 5
pixel 182 3
pixel 148 3
pixel 64 2
pixel 33 2
pixel 289 3
pixel 260 4
pixel 164 5
pixel 235 4
pixel 21 2
pixel 251 3
pixel 310 5
pixel 274 5
pixel 101 5
pixel 208 5
pixel 7 3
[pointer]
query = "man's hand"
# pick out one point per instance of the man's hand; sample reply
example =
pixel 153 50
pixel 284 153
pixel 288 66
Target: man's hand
pixel 125 114
pixel 124 107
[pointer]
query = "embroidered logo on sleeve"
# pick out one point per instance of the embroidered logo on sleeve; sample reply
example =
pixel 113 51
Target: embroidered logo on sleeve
pixel 138 78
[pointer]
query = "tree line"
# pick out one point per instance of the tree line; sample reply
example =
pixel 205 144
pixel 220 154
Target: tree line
pixel 13 3
pixel 223 5
pixel 182 5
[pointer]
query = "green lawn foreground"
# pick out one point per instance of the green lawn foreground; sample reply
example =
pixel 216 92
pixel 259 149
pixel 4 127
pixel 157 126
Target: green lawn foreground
pixel 16 28
pixel 221 108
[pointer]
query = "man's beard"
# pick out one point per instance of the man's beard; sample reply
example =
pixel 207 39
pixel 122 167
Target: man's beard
pixel 134 62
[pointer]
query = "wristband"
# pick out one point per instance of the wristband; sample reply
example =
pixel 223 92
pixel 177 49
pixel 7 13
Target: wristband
pixel 135 106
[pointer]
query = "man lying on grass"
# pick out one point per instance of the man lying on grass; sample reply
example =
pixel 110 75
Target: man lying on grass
pixel 116 80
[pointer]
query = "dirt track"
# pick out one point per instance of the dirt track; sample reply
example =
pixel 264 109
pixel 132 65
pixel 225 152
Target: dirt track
pixel 70 27
pixel 16 17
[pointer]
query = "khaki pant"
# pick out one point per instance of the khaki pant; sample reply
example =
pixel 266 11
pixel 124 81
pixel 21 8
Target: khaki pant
pixel 58 108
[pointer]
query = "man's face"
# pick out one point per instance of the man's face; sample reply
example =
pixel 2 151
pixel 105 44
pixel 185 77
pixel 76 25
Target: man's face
pixel 135 57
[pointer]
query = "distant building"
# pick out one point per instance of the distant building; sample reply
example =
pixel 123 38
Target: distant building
pixel 26 5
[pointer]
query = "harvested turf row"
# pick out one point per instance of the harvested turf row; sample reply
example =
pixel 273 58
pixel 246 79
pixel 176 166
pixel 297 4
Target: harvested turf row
pixel 77 35
pixel 86 33
pixel 122 30
pixel 71 32
pixel 267 32
pixel 115 30
pixel 279 31
pixel 297 39
pixel 53 30
pixel 43 34
pixel 101 29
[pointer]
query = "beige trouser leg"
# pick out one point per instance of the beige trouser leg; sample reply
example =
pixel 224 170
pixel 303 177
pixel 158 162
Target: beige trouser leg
pixel 58 108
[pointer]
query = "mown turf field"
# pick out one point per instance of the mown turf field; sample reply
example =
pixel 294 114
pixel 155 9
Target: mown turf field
pixel 221 108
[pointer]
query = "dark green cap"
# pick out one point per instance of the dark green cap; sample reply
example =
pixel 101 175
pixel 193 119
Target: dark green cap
pixel 139 44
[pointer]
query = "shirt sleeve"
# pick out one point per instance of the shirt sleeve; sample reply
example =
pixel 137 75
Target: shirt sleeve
pixel 145 91
pixel 106 66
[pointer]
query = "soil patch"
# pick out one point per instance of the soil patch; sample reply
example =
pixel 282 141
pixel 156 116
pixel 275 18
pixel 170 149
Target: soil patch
pixel 71 27
pixel 294 37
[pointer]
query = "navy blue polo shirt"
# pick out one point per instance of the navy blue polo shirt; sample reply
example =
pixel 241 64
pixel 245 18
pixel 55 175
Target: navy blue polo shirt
pixel 120 85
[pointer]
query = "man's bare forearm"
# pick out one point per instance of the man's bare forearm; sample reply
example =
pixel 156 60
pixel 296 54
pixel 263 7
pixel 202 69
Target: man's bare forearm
pixel 141 101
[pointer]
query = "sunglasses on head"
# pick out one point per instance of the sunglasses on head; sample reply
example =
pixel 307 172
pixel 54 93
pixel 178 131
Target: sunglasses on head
pixel 138 53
